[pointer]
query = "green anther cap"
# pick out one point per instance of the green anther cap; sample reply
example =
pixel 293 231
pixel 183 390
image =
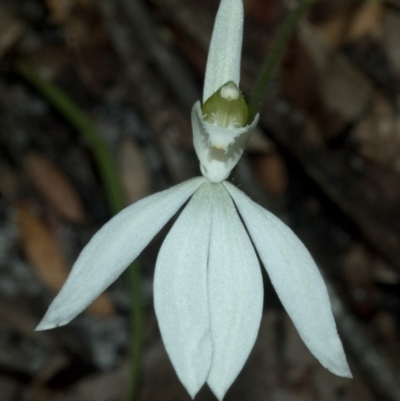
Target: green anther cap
pixel 226 107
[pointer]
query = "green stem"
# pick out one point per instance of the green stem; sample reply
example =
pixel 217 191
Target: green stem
pixel 275 54
pixel 137 320
pixel 112 185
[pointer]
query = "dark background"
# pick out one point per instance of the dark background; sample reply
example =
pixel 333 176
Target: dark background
pixel 326 159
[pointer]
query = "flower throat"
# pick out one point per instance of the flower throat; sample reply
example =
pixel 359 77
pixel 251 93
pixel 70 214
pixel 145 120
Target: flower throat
pixel 226 107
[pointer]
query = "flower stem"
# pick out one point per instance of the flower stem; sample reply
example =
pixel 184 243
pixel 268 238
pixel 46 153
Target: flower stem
pixel 275 54
pixel 109 175
pixel 137 323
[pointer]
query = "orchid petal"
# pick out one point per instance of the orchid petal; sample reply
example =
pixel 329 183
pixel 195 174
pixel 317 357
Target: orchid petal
pixel 297 282
pixel 180 292
pixel 235 292
pixel 112 249
pixel 223 63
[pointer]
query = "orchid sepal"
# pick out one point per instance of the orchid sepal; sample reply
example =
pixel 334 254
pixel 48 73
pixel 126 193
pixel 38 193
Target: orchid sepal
pixel 224 53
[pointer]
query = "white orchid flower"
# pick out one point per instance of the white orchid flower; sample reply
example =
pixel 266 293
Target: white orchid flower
pixel 208 289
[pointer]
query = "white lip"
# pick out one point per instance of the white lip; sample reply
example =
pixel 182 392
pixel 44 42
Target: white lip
pixel 218 148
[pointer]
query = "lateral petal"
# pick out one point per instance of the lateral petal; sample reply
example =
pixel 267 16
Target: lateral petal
pixel 180 292
pixel 235 292
pixel 223 63
pixel 112 249
pixel 297 282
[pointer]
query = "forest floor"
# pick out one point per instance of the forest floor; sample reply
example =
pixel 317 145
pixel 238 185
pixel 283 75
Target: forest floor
pixel 325 158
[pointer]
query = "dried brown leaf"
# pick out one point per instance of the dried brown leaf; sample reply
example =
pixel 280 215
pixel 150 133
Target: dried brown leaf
pixel 378 135
pixel 44 253
pixel 55 187
pixel 265 12
pixel 352 26
pixel 384 273
pixel 135 174
pixel 11 30
pixel 391 41
pixel 333 30
pixel 87 42
pixel 344 89
pixel 259 143
pixel 385 325
pixel 362 293
pixel 367 22
pixel 272 173
pixel 357 266
pixel 301 78
pixel 59 10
